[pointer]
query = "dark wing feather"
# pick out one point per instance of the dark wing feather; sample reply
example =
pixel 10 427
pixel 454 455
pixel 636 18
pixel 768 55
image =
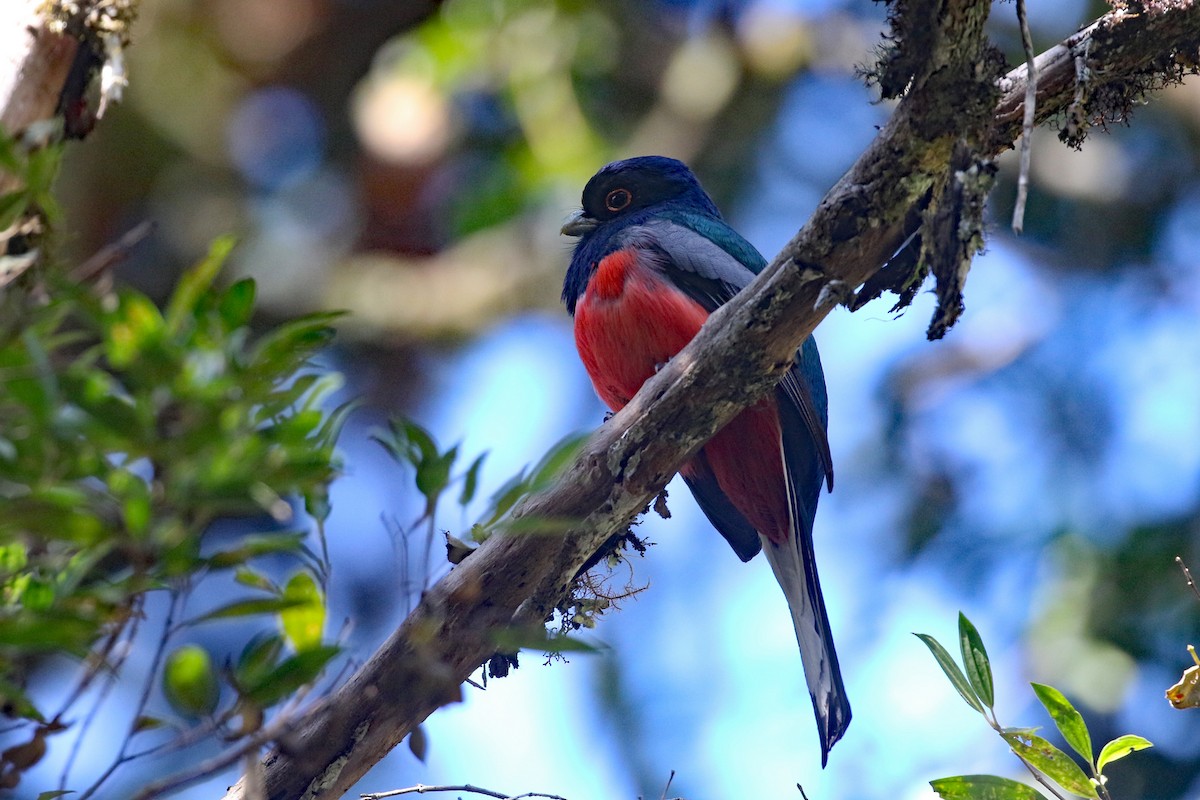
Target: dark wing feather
pixel 803 388
pixel 728 521
pixel 704 270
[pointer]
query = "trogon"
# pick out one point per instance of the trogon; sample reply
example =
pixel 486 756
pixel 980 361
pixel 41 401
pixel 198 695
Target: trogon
pixel 653 260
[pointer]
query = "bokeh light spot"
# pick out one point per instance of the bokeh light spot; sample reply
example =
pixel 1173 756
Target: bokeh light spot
pixel 276 137
pixel 401 119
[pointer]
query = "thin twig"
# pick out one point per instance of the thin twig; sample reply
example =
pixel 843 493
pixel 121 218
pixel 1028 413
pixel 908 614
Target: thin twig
pixel 129 633
pixel 99 656
pixel 421 788
pixel 1037 775
pixel 256 779
pixel 187 738
pixel 667 788
pixel 1188 575
pixel 110 255
pixel 1018 222
pixel 1100 785
pixel 279 727
pixel 248 748
pixel 326 563
pixel 123 756
pixel 1076 121
pixel 426 567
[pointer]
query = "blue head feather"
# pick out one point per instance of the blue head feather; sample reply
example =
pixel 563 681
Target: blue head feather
pixel 657 186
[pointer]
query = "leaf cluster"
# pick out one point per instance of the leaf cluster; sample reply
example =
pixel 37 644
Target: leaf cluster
pixel 433 468
pixel 29 176
pixel 1049 765
pixel 125 430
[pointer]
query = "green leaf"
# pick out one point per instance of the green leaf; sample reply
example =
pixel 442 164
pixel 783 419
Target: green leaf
pixel 1119 748
pixel 316 502
pixel 17 704
pixel 975 661
pixel 146 723
pixel 55 794
pixel 556 460
pixel 13 557
pixel 1052 762
pixel 42 168
pixel 506 497
pixel 1069 721
pixel 542 526
pixel 12 205
pixel 426 447
pixel 433 474
pixel 324 386
pixel 471 480
pixel 290 675
pixel 957 679
pixel 983 787
pixel 287 347
pixel 137 325
pixel 331 429
pixel 247 608
pixel 195 282
pixel 189 681
pixel 1019 730
pixel 254 579
pixel 510 640
pixel 10 160
pixel 237 304
pixel 256 545
pixel 399 445
pixel 37 594
pixel 258 658
pixel 304 622
pixel 47 631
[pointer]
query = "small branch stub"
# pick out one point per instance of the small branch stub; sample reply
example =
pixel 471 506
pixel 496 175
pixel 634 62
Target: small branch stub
pixel 1018 222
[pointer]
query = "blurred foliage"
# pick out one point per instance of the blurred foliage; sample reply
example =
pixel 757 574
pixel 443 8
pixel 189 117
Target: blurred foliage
pixel 125 432
pixel 30 172
pixel 434 473
pixel 974 683
pixel 413 446
pixel 507 68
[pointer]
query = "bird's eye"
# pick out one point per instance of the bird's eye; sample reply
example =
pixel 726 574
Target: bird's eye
pixel 618 199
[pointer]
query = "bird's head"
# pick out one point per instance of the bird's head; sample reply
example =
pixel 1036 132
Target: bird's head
pixel 636 187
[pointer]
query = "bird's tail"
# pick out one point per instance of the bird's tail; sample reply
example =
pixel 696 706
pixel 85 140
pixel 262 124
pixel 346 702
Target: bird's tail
pixel 796 570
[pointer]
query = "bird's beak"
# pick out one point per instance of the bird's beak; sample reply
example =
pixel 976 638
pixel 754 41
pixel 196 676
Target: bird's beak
pixel 579 224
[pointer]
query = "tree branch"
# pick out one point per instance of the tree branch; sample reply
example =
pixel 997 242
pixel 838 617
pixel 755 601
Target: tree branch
pixel 1125 54
pixel 33 65
pixel 951 107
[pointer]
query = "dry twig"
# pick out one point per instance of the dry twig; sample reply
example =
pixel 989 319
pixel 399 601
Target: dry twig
pixel 1018 222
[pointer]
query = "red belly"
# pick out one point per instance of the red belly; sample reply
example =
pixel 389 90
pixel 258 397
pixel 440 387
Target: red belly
pixel 628 323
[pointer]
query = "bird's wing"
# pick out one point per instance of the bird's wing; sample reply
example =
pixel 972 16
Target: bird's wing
pixel 698 265
pixel 711 275
pixel 803 388
pixel 728 521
